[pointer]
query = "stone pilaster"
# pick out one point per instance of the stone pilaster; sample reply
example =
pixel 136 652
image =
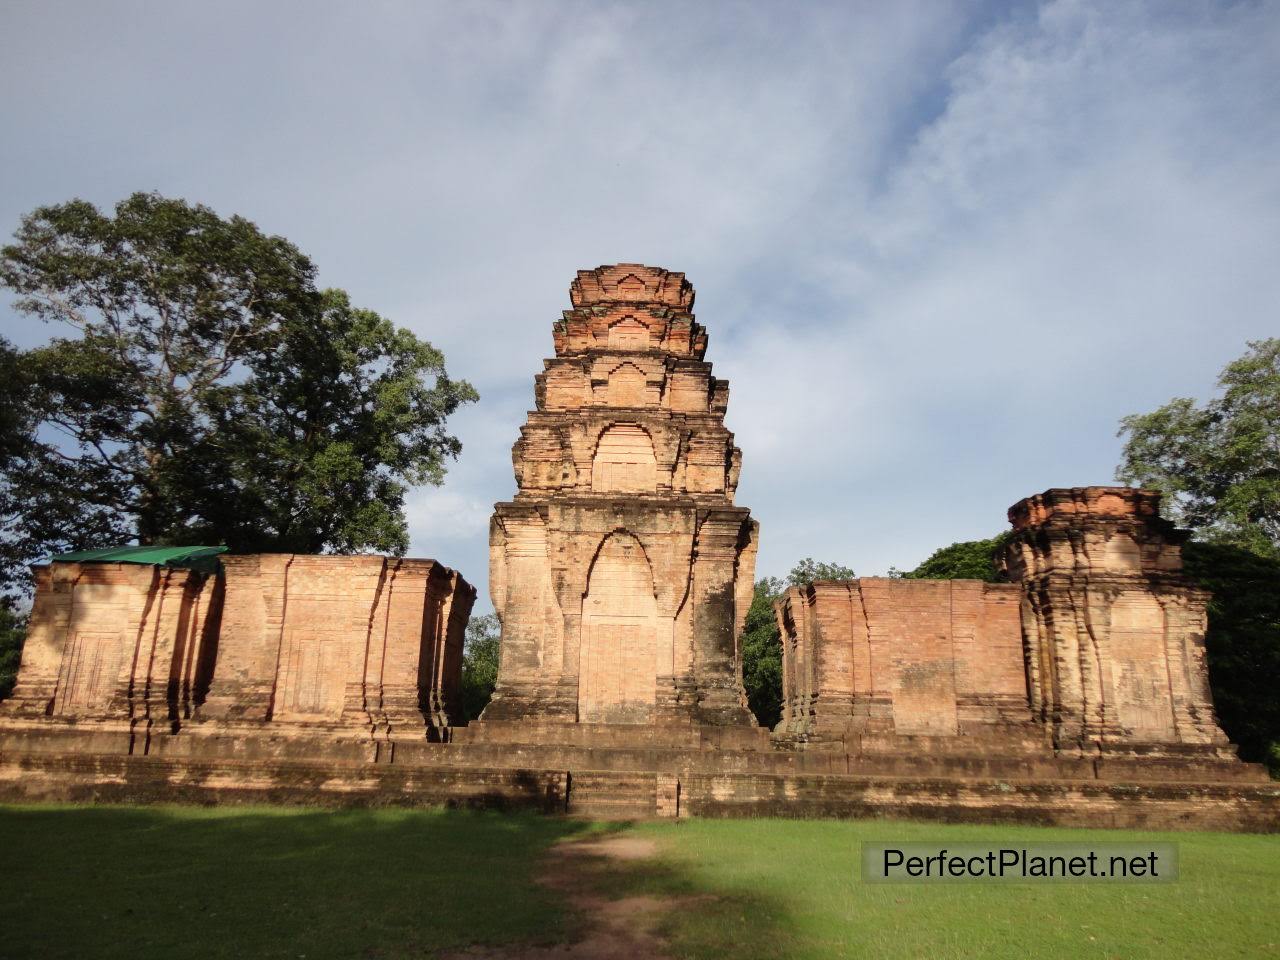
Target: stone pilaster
pixel 243 679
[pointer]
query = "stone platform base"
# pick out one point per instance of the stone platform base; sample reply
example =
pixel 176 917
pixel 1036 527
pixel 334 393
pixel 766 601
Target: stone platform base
pixel 686 736
pixel 639 773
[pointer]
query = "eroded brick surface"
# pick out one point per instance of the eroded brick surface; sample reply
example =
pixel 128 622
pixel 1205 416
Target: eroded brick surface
pixel 1113 630
pixel 1097 644
pixel 371 644
pixel 915 657
pixel 622 570
pixel 117 647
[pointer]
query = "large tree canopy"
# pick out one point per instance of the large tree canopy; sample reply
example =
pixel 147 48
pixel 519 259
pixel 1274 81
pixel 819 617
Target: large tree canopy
pixel 808 570
pixel 967 560
pixel 1242 644
pixel 1218 464
pixel 208 392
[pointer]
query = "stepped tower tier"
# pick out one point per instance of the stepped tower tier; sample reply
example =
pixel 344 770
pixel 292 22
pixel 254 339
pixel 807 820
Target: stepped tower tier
pixel 622 570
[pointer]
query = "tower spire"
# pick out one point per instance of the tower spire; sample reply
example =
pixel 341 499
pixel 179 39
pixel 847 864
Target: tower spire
pixel 622 570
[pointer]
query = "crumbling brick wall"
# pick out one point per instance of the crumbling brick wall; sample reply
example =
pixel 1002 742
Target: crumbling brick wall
pixel 877 655
pixel 365 643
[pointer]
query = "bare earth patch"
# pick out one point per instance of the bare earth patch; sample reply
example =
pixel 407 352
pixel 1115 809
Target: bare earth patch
pixel 616 929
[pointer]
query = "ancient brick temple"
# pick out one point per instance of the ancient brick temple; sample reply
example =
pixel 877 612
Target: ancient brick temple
pixel 1112 630
pixel 622 570
pixel 1074 693
pixel 114 650
pixel 1095 649
pixel 261 649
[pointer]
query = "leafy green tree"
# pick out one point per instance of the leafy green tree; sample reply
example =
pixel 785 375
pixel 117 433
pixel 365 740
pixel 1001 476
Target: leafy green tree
pixel 808 570
pixel 17 432
pixel 761 642
pixel 15 416
pixel 13 630
pixel 1242 644
pixel 762 654
pixel 967 560
pixel 347 412
pixel 1218 464
pixel 480 657
pixel 212 394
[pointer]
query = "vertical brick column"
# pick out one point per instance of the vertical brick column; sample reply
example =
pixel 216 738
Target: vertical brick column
pixel 165 632
pixel 47 636
pixel 717 669
pixel 242 684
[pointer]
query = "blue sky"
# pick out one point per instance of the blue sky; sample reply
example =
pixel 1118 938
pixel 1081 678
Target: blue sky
pixel 940 249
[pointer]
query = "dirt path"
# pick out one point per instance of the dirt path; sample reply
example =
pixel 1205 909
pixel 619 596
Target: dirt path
pixel 616 929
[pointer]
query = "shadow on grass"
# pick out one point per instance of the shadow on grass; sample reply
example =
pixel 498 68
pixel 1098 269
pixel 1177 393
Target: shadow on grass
pixel 690 913
pixel 309 884
pixel 306 884
pixel 141 882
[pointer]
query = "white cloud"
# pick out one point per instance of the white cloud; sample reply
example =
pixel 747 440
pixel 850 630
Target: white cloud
pixel 438 514
pixel 940 249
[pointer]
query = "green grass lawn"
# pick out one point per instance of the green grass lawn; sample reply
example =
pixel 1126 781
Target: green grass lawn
pixel 792 889
pixel 184 882
pixel 168 882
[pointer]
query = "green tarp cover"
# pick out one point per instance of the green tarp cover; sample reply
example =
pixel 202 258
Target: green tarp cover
pixel 195 558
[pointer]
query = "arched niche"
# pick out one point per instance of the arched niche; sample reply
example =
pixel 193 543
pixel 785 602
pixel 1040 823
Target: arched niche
pixel 628 387
pixel 628 334
pixel 624 461
pixel 617 674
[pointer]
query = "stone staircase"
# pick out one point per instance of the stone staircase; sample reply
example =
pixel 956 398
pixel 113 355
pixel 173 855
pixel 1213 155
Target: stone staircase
pixel 613 795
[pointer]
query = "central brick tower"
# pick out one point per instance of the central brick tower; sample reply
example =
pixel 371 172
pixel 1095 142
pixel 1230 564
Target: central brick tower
pixel 622 571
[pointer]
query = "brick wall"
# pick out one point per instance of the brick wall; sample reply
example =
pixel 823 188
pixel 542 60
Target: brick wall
pixel 935 657
pixel 370 643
